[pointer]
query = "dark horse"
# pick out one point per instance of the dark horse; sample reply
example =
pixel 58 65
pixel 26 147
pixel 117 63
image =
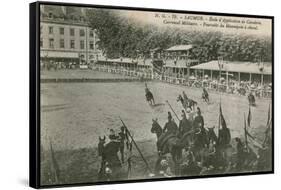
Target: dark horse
pixel 149 96
pixel 251 99
pixel 205 95
pixel 171 143
pixel 111 168
pixel 188 103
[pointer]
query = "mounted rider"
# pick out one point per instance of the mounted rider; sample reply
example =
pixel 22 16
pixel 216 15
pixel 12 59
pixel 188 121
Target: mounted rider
pixel 205 95
pixel 149 95
pixel 185 98
pixel 170 129
pixel 198 125
pixel 198 122
pixel 184 125
pixel 251 99
pixel 171 126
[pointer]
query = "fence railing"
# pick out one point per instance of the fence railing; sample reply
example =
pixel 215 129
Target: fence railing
pixel 219 87
pixel 145 74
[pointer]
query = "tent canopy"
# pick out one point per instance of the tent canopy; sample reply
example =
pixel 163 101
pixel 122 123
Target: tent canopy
pixel 236 66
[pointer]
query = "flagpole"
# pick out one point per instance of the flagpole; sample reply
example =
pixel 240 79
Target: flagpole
pixel 245 132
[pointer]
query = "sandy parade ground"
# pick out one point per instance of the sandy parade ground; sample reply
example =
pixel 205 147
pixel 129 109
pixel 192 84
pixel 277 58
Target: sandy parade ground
pixel 74 115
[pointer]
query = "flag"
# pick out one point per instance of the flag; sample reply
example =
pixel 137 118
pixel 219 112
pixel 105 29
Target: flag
pixel 221 120
pixel 249 117
pixel 253 139
pixel 223 123
pixel 268 125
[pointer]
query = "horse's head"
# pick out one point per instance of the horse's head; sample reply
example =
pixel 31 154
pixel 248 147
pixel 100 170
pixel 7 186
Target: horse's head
pixel 179 98
pixel 101 145
pixel 156 128
pixel 211 129
pixel 211 134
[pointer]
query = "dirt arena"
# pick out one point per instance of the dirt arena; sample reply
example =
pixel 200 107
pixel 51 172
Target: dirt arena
pixel 74 115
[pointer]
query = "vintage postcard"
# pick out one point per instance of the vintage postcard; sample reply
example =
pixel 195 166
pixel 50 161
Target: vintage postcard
pixel 140 94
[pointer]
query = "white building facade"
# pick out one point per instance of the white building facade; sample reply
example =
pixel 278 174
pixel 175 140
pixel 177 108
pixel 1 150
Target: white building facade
pixel 66 39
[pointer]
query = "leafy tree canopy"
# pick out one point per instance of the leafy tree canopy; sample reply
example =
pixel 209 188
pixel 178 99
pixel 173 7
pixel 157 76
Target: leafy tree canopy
pixel 120 37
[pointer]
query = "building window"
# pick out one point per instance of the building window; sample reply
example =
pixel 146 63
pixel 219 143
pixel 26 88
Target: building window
pixel 61 43
pixel 50 15
pixel 72 44
pixel 51 43
pixel 72 32
pixel 61 31
pixel 82 44
pixel 51 30
pixel 91 33
pixel 91 45
pixel 41 42
pixel 82 32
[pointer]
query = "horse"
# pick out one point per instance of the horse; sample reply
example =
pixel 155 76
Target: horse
pixel 149 97
pixel 184 103
pixel 156 128
pixel 188 103
pixel 212 135
pixel 251 99
pixel 171 143
pixel 205 96
pixel 111 168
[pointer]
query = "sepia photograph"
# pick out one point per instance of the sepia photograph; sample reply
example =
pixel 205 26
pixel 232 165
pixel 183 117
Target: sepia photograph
pixel 140 94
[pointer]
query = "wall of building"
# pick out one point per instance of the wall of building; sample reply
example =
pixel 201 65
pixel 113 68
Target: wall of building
pixel 50 30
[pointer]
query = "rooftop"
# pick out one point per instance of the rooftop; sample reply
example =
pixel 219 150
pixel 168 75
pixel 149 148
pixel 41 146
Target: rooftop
pixel 179 48
pixel 237 66
pixel 62 14
pixel 181 63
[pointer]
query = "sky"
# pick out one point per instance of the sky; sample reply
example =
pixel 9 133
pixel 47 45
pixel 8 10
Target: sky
pixel 225 24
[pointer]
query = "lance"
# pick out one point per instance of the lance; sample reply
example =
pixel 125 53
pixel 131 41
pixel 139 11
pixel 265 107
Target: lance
pixel 146 163
pixel 172 110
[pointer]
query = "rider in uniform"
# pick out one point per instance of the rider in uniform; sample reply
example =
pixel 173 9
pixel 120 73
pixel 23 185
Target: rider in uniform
pixel 205 93
pixel 185 125
pixel 198 125
pixel 169 129
pixel 171 126
pixel 198 122
pixel 185 98
pixel 149 95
